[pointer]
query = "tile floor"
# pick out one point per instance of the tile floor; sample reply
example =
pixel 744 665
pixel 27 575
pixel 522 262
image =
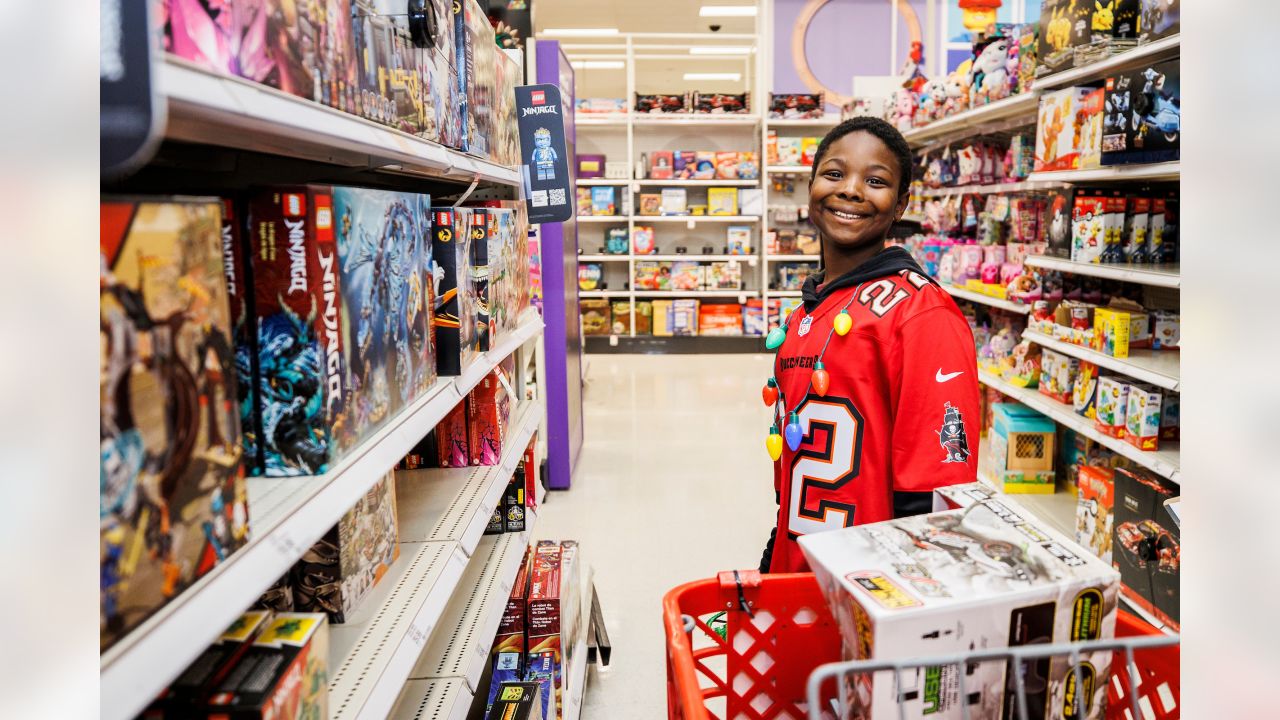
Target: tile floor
pixel 673 485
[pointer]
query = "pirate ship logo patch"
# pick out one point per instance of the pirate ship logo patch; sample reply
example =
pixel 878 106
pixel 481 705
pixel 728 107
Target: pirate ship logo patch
pixel 952 436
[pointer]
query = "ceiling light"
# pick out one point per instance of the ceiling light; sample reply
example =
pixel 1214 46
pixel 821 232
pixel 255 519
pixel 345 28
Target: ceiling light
pixel 598 64
pixel 721 50
pixel 713 76
pixel 727 11
pixel 578 32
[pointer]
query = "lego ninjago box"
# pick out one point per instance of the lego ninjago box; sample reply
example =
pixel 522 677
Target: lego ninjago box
pixel 1146 544
pixel 477 75
pixel 454 309
pixel 553 620
pixel 986 575
pixel 283 676
pixel 479 276
pixel 443 112
pixel 209 669
pixel 172 497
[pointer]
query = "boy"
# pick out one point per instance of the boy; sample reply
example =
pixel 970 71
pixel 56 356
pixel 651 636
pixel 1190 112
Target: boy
pixel 877 373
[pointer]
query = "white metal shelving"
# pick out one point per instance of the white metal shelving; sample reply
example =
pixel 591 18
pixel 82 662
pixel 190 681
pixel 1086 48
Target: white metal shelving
pixel 606 219
pixel 696 293
pixel 214 109
pixel 1158 367
pixel 679 119
pixel 995 302
pixel 287 516
pixel 601 120
pixel 792 258
pixel 1165 461
pixel 1165 171
pixel 744 259
pixel 992 189
pixel 973 121
pixel 789 169
pixel 439 699
pixel 827 122
pixel 593 182
pixel 604 258
pixel 693 219
pixel 674 182
pixel 1161 49
pixel 1169 276
pixel 604 293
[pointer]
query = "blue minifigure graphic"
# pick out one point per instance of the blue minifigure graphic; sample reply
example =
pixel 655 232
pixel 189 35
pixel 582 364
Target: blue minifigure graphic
pixel 544 157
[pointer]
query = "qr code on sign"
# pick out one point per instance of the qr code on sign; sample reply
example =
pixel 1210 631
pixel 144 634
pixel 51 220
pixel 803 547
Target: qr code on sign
pixel 557 196
pixel 539 198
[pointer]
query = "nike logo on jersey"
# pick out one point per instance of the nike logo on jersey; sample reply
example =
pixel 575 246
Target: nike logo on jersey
pixel 949 376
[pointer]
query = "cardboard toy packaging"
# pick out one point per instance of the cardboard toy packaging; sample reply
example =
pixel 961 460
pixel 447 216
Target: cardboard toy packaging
pixel 986 575
pixel 236 266
pixel 283 676
pixel 488 413
pixel 1112 404
pixel 554 617
pixel 1146 545
pixel 477 75
pixel 442 121
pixel 604 201
pixel 185 694
pixel 1142 417
pixel 1088 228
pixel 402 76
pixel 342 567
pixel 662 165
pixel 477 285
pixel 595 316
pixel 381 248
pixel 375 55
pixel 1021 454
pixel 722 201
pixel 306 385
pixel 508 265
pixel 1057 146
pixel 508 73
pixel 451 279
pixel 675 201
pixel 452 438
pixel 1159 19
pixel 1095 488
pixel 621 312
pixel 1088 126
pixel 172 496
pixel 1144 115
pixel 517 701
pixel 1056 224
pixel 515 507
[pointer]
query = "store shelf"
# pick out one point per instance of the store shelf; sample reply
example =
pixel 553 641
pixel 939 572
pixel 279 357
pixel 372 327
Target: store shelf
pixel 576 675
pixel 433 700
pixel 650 182
pixel 1155 275
pixel 697 293
pixel 746 259
pixel 1154 172
pixel 1161 49
pixel 697 218
pixel 590 182
pixel 793 258
pixel 1158 367
pixel 977 120
pixel 287 516
pixel 983 299
pixel 603 258
pixel 785 293
pixel 1058 510
pixel 213 109
pixel 1164 462
pixel 695 119
pixel 604 293
pixel 681 345
pixel 443 513
pixel 822 122
pixel 459 648
pixel 789 169
pixel 588 120
pixel 603 219
pixel 992 189
pixel 913 218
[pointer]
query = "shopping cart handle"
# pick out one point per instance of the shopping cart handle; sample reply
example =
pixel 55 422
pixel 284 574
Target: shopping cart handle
pixel 737 580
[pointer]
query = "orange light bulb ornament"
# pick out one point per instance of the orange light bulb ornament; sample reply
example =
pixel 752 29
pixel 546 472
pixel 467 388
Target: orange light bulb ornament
pixel 773 443
pixel 770 393
pixel 820 380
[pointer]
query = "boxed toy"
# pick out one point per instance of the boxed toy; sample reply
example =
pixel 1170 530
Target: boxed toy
pixel 720 319
pixel 753 317
pixel 722 201
pixel 1146 547
pixel 726 165
pixel 1144 115
pixel 686 275
pixel 1056 225
pixel 184 694
pixel 488 412
pixel 444 118
pixel 683 317
pixel 452 438
pixel 1142 417
pixel 1088 228
pixel 675 201
pixel 284 675
pixel 1084 390
pixel 1057 374
pixel 621 310
pixel 1158 19
pixel 514 505
pixel 340 569
pixel 644 317
pixel 1111 331
pixel 748 165
pixel 589 275
pixel 508 271
pixel 517 701
pixel 988 575
pixel 1112 404
pixel 477 63
pixel 662 164
pixel 595 317
pixel 723 276
pixel 1022 442
pixel 590 166
pixel 791 106
pixel 721 103
pixel 809 150
pixel 1057 146
pixel 789 151
pixel 603 201
pixel 1095 509
pixel 662 103
pixel 642 241
pixel 705 167
pixel 738 241
pixel 373 39
pixel 583 195
pixel 684 164
pixel 455 310
pixel 751 201
pixel 650 204
pixel 554 614
pixel 1088 127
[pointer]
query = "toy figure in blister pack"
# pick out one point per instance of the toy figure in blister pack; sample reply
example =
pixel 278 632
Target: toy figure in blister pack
pixel 544 156
pixel 1155 109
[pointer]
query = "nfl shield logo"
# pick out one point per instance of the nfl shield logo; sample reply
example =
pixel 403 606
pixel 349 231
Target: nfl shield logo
pixel 804 326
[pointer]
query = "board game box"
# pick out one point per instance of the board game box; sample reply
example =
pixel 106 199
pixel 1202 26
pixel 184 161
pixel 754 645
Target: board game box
pixel 172 496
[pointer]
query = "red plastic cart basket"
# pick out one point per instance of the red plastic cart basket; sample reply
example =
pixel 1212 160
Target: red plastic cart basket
pixel 741 646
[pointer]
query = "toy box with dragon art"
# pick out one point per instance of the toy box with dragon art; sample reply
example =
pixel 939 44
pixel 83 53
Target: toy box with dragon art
pixel 554 615
pixel 1095 508
pixel 283 676
pixel 385 343
pixel 172 496
pixel 305 384
pixel 235 264
pixel 509 282
pixel 451 263
pixel 1146 545
pixel 477 75
pixel 983 576
pixel 452 439
pixel 342 567
pixel 1057 142
pixel 511 642
pixel 488 413
pixel 477 285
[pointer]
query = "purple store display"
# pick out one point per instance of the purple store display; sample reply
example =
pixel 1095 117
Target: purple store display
pixel 563 333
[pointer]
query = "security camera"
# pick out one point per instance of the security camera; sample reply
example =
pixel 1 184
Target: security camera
pixel 715 28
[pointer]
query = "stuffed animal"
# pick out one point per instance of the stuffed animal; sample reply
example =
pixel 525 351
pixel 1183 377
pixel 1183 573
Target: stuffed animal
pixel 957 93
pixel 904 109
pixel 989 73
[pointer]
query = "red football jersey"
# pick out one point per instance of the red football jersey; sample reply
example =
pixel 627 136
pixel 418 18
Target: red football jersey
pixel 898 416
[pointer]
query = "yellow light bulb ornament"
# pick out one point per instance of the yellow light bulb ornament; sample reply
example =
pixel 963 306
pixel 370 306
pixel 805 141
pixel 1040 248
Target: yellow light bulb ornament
pixel 843 323
pixel 773 443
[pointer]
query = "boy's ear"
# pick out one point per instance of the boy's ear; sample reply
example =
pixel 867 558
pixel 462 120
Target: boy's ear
pixel 901 207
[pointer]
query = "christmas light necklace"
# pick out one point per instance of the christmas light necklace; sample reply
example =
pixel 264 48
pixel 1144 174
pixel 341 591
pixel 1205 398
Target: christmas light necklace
pixel 819 381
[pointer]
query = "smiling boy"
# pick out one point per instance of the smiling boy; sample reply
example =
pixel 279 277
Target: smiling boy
pixel 898 413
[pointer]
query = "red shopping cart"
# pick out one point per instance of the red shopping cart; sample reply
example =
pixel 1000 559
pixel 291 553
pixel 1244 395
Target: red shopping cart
pixel 742 646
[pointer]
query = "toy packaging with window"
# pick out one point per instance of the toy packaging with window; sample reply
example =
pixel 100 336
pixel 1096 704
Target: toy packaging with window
pixel 1112 404
pixel 1021 456
pixel 342 567
pixel 1146 546
pixel 1057 146
pixel 284 674
pixel 169 510
pixel 1142 417
pixel 1095 487
pixel 985 575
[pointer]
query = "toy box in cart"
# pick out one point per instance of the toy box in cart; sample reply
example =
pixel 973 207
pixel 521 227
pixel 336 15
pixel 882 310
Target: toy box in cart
pixel 984 576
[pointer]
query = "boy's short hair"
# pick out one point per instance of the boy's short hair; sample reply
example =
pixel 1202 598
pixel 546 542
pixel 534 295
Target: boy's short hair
pixel 887 134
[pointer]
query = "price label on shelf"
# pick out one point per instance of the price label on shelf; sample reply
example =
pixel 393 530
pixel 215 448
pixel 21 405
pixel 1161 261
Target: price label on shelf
pixel 418 633
pixel 285 544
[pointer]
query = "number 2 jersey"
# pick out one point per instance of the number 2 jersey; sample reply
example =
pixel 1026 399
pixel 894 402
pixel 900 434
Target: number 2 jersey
pixel 900 416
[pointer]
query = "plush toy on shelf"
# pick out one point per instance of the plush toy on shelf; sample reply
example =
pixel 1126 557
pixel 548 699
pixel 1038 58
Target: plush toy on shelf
pixel 989 73
pixel 904 109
